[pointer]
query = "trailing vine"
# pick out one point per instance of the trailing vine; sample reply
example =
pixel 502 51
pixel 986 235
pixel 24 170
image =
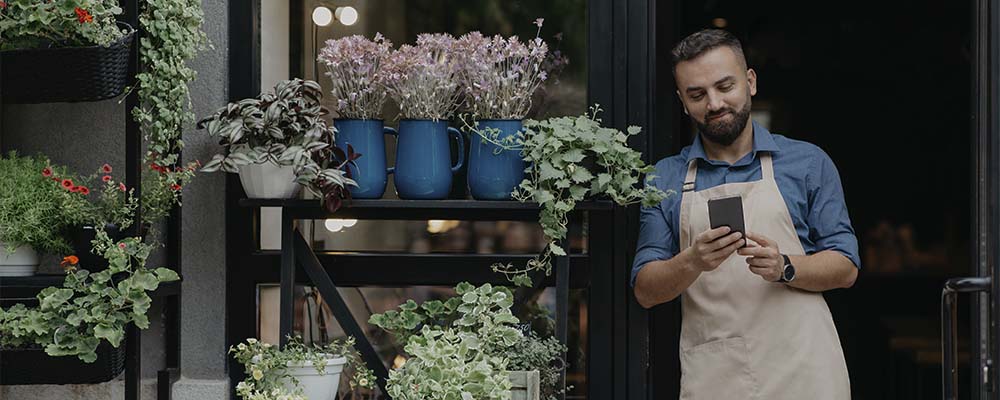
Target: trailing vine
pixel 571 158
pixel 173 37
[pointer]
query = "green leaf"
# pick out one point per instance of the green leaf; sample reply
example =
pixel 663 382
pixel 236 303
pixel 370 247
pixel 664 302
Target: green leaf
pixel 556 249
pixel 547 171
pixel 54 298
pixel 113 335
pixel 581 175
pixel 145 279
pixel 166 275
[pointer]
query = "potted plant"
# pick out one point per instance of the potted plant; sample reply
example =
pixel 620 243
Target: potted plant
pixel 571 159
pixel 298 370
pixel 499 77
pixel 63 51
pixel 354 65
pixel 36 208
pixel 89 308
pixel 278 142
pixel 460 348
pixel 424 80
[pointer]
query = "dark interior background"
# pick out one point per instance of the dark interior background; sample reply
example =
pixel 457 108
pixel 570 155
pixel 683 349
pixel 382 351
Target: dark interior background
pixel 885 89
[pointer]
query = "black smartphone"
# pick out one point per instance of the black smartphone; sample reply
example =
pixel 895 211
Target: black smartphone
pixel 727 211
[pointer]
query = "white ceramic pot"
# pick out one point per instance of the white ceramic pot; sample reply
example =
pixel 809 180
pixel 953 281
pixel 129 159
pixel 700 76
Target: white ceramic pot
pixel 316 386
pixel 22 262
pixel 268 181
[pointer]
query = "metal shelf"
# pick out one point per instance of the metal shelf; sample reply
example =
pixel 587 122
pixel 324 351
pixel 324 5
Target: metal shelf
pixel 469 210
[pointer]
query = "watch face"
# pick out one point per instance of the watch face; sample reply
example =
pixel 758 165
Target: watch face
pixel 789 272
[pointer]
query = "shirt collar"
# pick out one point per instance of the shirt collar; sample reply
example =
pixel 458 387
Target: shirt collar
pixel 763 140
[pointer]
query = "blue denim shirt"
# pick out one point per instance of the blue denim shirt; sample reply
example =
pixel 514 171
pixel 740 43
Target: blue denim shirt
pixel 806 178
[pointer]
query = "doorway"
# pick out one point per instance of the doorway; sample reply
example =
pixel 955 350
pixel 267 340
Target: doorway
pixel 885 88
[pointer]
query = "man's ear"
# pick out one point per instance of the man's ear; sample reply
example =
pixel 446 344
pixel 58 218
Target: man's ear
pixel 752 81
pixel 678 92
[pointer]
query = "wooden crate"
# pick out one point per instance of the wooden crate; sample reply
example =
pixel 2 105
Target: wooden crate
pixel 525 385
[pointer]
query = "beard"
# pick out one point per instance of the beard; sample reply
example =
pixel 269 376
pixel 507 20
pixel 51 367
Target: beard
pixel 724 132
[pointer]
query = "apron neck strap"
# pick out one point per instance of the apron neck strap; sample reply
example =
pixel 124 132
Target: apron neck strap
pixel 691 174
pixel 766 169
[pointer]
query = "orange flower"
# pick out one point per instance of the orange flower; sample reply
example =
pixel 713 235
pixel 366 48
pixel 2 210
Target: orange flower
pixel 83 15
pixel 69 262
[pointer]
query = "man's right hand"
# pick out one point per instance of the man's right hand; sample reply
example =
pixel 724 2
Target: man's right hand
pixel 714 246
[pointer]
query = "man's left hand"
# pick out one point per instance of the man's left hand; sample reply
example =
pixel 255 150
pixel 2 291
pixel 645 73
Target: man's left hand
pixel 764 259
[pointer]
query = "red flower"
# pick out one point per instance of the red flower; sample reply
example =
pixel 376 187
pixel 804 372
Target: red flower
pixel 83 190
pixel 121 186
pixel 46 172
pixel 83 15
pixel 69 262
pixel 106 169
pixel 121 246
pixel 106 178
pixel 175 187
pixel 55 178
pixel 3 4
pixel 67 184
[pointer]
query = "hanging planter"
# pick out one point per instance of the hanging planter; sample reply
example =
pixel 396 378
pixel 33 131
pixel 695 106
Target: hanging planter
pixel 315 384
pixel 23 261
pixel 68 74
pixel 32 366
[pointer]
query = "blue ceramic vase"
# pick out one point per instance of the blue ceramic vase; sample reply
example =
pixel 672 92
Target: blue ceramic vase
pixel 494 170
pixel 423 159
pixel 367 137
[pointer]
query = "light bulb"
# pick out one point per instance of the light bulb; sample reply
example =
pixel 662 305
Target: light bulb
pixel 333 225
pixel 347 15
pixel 322 16
pixel 348 222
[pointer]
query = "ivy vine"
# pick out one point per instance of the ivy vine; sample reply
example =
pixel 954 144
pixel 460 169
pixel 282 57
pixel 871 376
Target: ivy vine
pixel 571 158
pixel 173 37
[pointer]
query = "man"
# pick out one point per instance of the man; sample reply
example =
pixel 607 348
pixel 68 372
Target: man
pixel 755 324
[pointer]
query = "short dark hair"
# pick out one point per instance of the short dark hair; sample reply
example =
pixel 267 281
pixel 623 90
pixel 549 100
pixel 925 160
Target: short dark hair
pixel 701 42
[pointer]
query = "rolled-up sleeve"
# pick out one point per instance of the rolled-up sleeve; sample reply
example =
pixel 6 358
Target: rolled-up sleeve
pixel 829 224
pixel 654 239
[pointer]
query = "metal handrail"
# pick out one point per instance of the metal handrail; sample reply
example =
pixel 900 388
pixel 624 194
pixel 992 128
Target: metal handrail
pixel 949 327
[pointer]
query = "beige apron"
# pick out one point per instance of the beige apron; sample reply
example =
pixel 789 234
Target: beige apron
pixel 741 336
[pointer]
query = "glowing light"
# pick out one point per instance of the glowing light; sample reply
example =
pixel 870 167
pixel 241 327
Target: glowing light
pixel 347 15
pixel 441 226
pixel 333 225
pixel 322 16
pixel 720 22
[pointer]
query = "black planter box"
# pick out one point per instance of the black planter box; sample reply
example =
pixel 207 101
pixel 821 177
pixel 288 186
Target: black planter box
pixel 31 366
pixel 70 74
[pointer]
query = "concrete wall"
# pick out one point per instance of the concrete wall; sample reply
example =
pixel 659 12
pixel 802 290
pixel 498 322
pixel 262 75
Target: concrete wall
pixel 86 135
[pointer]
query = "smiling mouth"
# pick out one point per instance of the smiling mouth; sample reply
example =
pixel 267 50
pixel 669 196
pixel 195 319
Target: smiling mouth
pixel 712 118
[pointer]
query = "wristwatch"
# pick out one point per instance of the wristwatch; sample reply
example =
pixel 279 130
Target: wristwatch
pixel 787 272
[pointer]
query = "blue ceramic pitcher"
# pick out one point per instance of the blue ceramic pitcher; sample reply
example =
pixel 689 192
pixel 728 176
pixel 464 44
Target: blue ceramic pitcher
pixel 367 138
pixel 423 159
pixel 495 170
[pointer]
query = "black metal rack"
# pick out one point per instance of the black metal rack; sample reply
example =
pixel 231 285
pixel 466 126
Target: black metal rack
pixel 328 269
pixel 27 287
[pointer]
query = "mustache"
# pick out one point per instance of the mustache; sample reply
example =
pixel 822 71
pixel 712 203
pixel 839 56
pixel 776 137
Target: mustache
pixel 718 113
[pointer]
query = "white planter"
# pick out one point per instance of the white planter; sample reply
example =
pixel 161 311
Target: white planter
pixel 22 262
pixel 268 181
pixel 314 385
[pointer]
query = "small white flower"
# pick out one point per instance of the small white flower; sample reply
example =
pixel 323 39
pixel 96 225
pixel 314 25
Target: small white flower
pixel 251 340
pixel 241 346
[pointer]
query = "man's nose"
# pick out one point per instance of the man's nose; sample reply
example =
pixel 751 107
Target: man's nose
pixel 715 102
